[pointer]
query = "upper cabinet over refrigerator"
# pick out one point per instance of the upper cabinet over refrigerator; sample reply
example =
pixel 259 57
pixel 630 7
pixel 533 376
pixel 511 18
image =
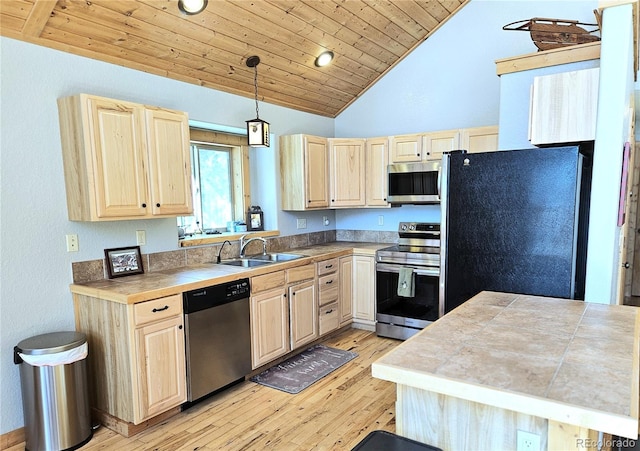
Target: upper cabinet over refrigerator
pixel 564 107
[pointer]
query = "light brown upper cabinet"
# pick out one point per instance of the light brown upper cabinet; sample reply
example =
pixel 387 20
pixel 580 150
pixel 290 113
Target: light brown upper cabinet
pixel 123 160
pixel 436 143
pixel 564 107
pixel 406 148
pixel 480 139
pixel 377 159
pixel 346 172
pixel 431 145
pixel 304 172
pixel 423 146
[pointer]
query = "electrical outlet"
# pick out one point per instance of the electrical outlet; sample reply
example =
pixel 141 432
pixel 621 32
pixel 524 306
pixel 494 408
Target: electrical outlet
pixel 302 223
pixel 141 237
pixel 72 243
pixel 380 220
pixel 527 441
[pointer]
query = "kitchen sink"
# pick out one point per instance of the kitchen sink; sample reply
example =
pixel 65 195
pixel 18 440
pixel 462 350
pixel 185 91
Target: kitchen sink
pixel 277 257
pixel 246 262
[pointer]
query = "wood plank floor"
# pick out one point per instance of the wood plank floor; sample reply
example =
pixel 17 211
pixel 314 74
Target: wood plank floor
pixel 335 413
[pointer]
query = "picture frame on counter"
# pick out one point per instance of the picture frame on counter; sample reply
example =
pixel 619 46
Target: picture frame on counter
pixel 123 261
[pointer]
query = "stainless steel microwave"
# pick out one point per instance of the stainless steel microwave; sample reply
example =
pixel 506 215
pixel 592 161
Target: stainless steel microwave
pixel 414 183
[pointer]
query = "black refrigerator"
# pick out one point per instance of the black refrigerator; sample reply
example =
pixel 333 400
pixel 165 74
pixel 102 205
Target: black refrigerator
pixel 515 221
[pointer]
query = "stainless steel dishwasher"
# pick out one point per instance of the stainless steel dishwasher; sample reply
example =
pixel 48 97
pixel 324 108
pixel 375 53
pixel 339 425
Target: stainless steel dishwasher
pixel 218 337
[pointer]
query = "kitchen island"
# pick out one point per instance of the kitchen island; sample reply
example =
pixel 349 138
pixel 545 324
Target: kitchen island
pixel 502 363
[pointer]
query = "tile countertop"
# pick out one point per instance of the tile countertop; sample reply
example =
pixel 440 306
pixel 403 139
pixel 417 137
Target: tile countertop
pixel 144 287
pixel 569 361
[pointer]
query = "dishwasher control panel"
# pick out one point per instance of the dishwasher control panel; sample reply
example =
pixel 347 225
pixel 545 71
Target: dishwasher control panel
pixel 240 287
pixel 203 298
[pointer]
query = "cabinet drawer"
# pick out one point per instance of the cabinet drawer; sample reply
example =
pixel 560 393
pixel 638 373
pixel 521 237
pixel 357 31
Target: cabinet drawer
pixel 329 318
pixel 327 266
pixel 300 273
pixel 267 281
pixel 157 309
pixel 328 288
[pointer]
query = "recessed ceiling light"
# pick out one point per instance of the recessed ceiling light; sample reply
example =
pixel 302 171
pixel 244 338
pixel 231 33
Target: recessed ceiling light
pixel 192 6
pixel 324 58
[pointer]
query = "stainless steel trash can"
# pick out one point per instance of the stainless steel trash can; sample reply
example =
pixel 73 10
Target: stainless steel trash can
pixel 53 376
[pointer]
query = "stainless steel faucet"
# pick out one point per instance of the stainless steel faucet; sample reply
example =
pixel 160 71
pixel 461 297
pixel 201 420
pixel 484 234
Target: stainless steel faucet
pixel 243 244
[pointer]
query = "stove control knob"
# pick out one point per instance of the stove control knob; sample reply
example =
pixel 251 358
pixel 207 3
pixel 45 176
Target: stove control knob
pixel 412 227
pixel 403 227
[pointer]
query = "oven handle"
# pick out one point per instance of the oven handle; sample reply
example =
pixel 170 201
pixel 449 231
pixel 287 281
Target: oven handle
pixel 384 267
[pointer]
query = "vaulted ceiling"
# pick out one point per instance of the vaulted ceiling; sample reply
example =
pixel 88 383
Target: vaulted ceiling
pixel 368 37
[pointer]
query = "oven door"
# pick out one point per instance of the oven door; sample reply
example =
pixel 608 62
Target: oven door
pixel 405 315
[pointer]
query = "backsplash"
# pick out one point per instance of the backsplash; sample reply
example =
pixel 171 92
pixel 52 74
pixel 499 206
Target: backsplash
pixel 92 270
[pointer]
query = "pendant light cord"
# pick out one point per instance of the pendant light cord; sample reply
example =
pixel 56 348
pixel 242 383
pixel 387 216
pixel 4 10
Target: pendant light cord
pixel 255 84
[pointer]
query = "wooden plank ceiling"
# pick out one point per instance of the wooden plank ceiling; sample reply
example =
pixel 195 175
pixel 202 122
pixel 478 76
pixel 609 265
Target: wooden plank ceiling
pixel 210 49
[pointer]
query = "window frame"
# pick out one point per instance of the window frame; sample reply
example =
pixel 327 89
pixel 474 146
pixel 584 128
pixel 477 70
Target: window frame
pixel 240 174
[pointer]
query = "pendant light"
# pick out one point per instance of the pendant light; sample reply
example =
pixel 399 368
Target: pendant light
pixel 257 129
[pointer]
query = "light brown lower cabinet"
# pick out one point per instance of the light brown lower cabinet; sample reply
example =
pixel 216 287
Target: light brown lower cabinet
pixel 346 290
pixel 303 313
pixel 136 361
pixel 160 353
pixel 329 318
pixel 328 295
pixel 269 326
pixel 364 290
pixel 284 313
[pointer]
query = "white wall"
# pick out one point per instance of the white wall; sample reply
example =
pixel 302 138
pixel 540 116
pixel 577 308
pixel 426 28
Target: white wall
pixel 448 82
pixel 35 267
pixel 612 131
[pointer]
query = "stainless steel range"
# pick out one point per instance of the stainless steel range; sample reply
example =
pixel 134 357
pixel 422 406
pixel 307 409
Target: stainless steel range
pixel 407 281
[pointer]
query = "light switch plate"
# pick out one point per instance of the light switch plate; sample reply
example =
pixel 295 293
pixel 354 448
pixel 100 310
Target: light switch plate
pixel 141 237
pixel 302 223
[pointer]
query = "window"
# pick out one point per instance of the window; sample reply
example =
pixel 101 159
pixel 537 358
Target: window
pixel 213 194
pixel 220 181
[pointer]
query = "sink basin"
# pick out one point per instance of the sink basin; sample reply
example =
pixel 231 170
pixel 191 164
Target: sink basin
pixel 277 257
pixel 246 262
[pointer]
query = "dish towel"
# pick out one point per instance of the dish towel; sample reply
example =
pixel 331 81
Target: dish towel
pixel 406 286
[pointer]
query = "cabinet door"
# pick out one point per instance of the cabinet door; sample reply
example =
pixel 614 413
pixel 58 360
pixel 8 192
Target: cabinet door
pixel 118 153
pixel 437 143
pixel 304 313
pixel 406 148
pixel 269 326
pixel 169 162
pixel 480 139
pixel 364 291
pixel 161 367
pixel 346 172
pixel 377 159
pixel 346 290
pixel 564 107
pixel 316 172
